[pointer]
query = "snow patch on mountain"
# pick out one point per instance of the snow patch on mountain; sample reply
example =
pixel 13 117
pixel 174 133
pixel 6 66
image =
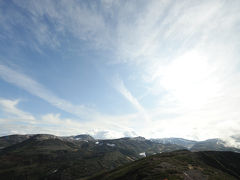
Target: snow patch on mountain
pixel 142 154
pixel 112 145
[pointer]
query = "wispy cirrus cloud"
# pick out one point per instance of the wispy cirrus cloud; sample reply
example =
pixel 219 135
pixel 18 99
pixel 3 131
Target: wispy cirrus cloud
pixel 160 28
pixel 187 54
pixel 61 25
pixel 95 123
pixel 30 85
pixel 14 120
pixel 9 107
pixel 119 85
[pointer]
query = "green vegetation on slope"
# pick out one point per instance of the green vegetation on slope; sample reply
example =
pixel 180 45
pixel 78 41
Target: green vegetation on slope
pixel 52 157
pixel 179 165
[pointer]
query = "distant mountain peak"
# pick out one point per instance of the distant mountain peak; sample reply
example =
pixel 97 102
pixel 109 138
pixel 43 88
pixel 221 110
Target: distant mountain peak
pixel 138 138
pixel 44 136
pixel 86 137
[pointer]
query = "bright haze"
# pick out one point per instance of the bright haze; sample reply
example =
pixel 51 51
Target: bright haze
pixel 116 68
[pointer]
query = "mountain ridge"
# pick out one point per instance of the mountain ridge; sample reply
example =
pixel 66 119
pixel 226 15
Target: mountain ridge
pixel 46 156
pixel 193 145
pixel 178 165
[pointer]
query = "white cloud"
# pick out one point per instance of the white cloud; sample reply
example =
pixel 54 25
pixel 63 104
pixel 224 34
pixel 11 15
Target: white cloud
pixel 120 87
pixel 16 121
pixel 75 18
pixel 159 28
pixel 23 81
pixel 107 134
pixel 10 107
pixel 91 118
pixel 187 53
pixel 189 59
pixel 53 123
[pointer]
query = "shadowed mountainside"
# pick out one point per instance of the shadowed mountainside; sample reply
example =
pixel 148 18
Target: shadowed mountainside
pixel 45 156
pixel 179 165
pixel 6 141
pixel 50 157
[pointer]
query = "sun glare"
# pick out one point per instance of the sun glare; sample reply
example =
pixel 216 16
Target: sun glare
pixel 188 78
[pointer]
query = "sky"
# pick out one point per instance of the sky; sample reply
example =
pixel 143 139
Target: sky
pixel 115 68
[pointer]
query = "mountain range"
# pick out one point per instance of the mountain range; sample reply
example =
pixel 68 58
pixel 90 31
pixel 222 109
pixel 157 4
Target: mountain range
pixel 207 145
pixel 44 156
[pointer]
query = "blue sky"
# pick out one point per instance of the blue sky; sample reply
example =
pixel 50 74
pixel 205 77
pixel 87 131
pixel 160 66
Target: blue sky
pixel 120 68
